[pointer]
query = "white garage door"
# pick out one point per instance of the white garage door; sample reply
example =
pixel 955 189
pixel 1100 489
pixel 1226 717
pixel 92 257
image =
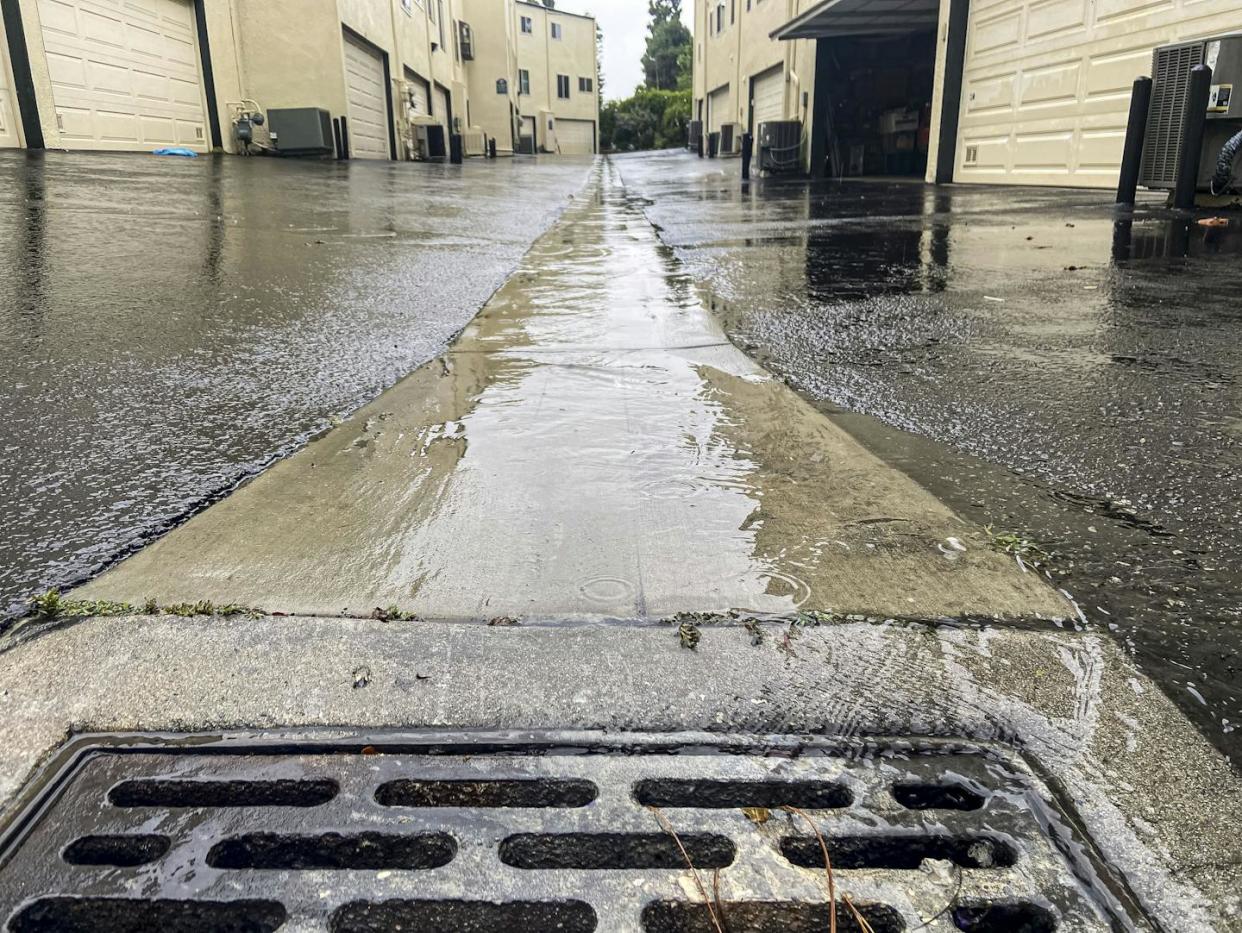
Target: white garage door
pixel 9 138
pixel 769 100
pixel 368 102
pixel 420 91
pixel 1046 87
pixel 576 137
pixel 125 73
pixel 719 108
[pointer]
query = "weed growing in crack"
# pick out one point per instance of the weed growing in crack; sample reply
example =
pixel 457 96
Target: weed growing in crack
pixel 52 605
pixel 1019 546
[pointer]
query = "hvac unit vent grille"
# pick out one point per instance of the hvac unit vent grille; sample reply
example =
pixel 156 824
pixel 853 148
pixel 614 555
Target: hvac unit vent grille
pixel 1171 70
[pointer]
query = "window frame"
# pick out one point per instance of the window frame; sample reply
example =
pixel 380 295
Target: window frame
pixel 523 82
pixel 558 32
pixel 566 85
pixel 527 25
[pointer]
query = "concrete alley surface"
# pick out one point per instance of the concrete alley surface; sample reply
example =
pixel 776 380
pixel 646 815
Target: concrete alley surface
pixel 172 326
pixel 589 456
pixel 590 447
pixel 1042 362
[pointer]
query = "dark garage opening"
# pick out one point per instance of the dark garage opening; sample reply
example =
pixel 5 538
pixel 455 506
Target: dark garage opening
pixel 879 92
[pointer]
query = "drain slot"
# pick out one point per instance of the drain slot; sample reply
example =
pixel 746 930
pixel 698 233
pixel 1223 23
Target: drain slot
pixel 768 917
pixel 903 852
pixel 124 915
pixel 1004 918
pixel 914 796
pixel 594 851
pixel 116 851
pixel 570 793
pixel 458 916
pixel 333 851
pixel 182 794
pixel 806 795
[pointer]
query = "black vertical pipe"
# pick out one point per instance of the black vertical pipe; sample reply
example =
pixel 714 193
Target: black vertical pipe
pixel 821 116
pixel 345 138
pixel 456 148
pixel 1136 133
pixel 748 145
pixel 951 97
pixel 209 75
pixel 336 138
pixel 1194 121
pixel 23 81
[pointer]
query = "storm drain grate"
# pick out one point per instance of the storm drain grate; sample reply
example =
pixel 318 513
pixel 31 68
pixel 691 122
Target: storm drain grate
pixel 560 834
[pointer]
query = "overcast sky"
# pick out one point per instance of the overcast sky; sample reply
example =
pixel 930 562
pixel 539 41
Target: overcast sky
pixel 624 23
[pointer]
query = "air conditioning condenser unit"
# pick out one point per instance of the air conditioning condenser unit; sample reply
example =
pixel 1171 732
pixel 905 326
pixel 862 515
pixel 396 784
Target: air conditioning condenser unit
pixel 1171 65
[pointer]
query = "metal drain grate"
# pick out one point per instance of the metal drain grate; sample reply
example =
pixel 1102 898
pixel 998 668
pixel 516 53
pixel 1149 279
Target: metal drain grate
pixel 557 833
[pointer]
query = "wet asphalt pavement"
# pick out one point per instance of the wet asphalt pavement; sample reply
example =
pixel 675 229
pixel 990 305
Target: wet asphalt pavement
pixel 170 327
pixel 1042 363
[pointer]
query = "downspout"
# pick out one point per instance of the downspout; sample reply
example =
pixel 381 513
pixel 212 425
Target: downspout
pixel 237 52
pixel 737 63
pixel 398 79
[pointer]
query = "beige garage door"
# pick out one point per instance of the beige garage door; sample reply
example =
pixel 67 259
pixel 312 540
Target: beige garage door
pixel 576 137
pixel 1046 87
pixel 719 108
pixel 125 73
pixel 769 99
pixel 368 101
pixel 9 138
pixel 420 91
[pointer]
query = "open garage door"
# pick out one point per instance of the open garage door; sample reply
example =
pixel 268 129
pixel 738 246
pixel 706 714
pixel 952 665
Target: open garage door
pixel 443 109
pixel 365 85
pixel 125 73
pixel 1046 86
pixel 576 137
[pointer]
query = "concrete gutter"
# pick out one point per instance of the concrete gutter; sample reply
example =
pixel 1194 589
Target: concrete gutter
pixel 592 446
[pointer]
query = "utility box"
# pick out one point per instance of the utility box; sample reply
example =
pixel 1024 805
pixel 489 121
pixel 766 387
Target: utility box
pixel 694 134
pixel 1171 65
pixel 780 146
pixel 301 131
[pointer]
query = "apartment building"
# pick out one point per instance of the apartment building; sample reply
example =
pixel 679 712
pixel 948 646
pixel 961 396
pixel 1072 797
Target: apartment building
pixel 557 80
pixel 134 75
pixel 989 91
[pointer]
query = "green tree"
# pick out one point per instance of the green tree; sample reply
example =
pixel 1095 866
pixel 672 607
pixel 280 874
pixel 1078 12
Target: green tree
pixel 599 60
pixel 651 119
pixel 667 37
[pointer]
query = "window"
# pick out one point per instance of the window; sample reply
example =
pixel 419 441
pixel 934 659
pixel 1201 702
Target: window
pixel 562 87
pixel 523 82
pixel 502 86
pixel 408 7
pixel 436 10
pixel 556 30
pixel 528 25
pixel 586 85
